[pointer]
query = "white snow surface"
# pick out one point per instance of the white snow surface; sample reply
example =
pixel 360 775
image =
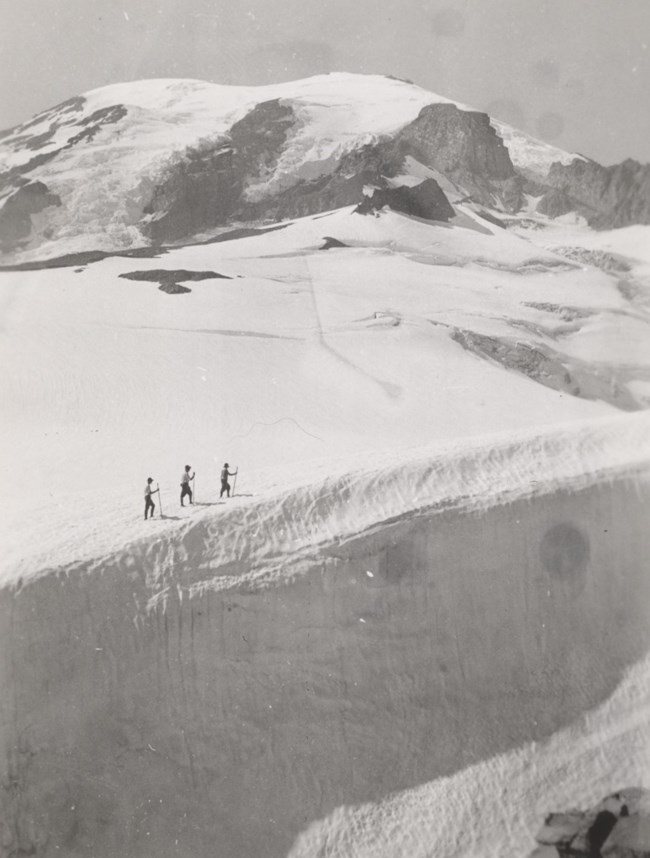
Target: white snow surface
pixel 331 378
pixel 493 809
pixel 296 366
pixel 530 154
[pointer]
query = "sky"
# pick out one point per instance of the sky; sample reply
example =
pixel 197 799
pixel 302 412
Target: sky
pixel 575 73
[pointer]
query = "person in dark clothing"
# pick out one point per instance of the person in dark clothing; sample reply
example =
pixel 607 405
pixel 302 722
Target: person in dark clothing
pixel 149 505
pixel 185 484
pixel 225 485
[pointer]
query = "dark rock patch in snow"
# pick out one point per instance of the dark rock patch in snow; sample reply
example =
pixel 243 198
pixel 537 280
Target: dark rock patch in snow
pixel 599 258
pixel 557 202
pixel 243 232
pixel 491 218
pixel 467 150
pixel 551 368
pixel 426 200
pixel 565 312
pixel 205 187
pixel 608 197
pixel 170 280
pixel 59 111
pixel 618 827
pixel 16 214
pixel 87 257
pixel 330 242
pixel 93 123
pixel 15 178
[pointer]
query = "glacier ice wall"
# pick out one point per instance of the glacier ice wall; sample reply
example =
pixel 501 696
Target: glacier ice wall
pixel 205 721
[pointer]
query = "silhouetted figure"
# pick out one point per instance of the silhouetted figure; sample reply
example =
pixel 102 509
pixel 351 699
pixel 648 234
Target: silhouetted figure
pixel 185 484
pixel 225 485
pixel 149 505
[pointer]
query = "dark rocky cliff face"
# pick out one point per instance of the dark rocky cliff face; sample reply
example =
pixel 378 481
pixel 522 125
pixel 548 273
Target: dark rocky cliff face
pixel 16 214
pixel 425 200
pixel 207 188
pixel 607 196
pixel 464 146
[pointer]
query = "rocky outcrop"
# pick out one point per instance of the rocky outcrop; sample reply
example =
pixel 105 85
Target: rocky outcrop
pixel 464 147
pixel 619 827
pixel 552 368
pixel 205 187
pixel 607 196
pixel 16 214
pixel 556 203
pixel 209 188
pixel 425 200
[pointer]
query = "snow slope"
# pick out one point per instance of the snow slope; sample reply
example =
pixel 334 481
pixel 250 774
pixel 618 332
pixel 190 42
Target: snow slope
pixel 236 678
pixel 435 563
pixel 303 355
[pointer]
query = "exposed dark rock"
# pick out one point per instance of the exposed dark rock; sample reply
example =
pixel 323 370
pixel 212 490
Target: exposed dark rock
pixel 16 214
pixel 556 203
pixel 205 189
pixel 458 141
pixel 330 242
pixel 619 827
pixel 490 218
pixel 243 232
pixel 87 257
pixel 174 288
pixel 91 126
pixel 69 106
pixel 170 280
pixel 599 258
pixel 607 196
pixel 551 368
pixel 464 147
pixel 566 313
pixel 426 200
pixel 15 176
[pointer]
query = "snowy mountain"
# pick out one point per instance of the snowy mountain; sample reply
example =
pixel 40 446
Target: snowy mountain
pixel 421 621
pixel 161 161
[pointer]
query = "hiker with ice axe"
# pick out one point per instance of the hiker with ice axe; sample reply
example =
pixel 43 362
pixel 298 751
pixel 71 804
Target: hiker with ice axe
pixel 225 485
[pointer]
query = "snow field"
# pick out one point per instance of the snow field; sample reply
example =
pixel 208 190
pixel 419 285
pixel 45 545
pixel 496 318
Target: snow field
pixel 434 564
pixel 304 355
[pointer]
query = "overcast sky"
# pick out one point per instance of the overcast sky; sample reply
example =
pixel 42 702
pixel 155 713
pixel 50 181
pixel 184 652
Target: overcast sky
pixel 574 72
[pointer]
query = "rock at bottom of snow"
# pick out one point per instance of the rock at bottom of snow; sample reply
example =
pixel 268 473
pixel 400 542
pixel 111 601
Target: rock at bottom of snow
pixel 619 827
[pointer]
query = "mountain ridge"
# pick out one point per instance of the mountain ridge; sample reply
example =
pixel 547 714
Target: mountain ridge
pixel 161 161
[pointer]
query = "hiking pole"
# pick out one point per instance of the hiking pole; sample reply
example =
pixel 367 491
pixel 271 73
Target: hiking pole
pixel 193 490
pixel 234 482
pixel 159 500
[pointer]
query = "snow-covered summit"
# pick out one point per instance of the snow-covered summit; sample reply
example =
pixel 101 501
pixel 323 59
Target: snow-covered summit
pixel 109 169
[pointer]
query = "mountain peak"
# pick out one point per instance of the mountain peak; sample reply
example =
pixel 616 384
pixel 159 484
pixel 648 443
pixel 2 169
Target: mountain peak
pixel 202 155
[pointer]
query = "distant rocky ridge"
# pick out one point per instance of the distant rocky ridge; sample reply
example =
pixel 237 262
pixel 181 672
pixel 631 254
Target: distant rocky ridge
pixel 619 827
pixel 606 196
pixel 249 174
